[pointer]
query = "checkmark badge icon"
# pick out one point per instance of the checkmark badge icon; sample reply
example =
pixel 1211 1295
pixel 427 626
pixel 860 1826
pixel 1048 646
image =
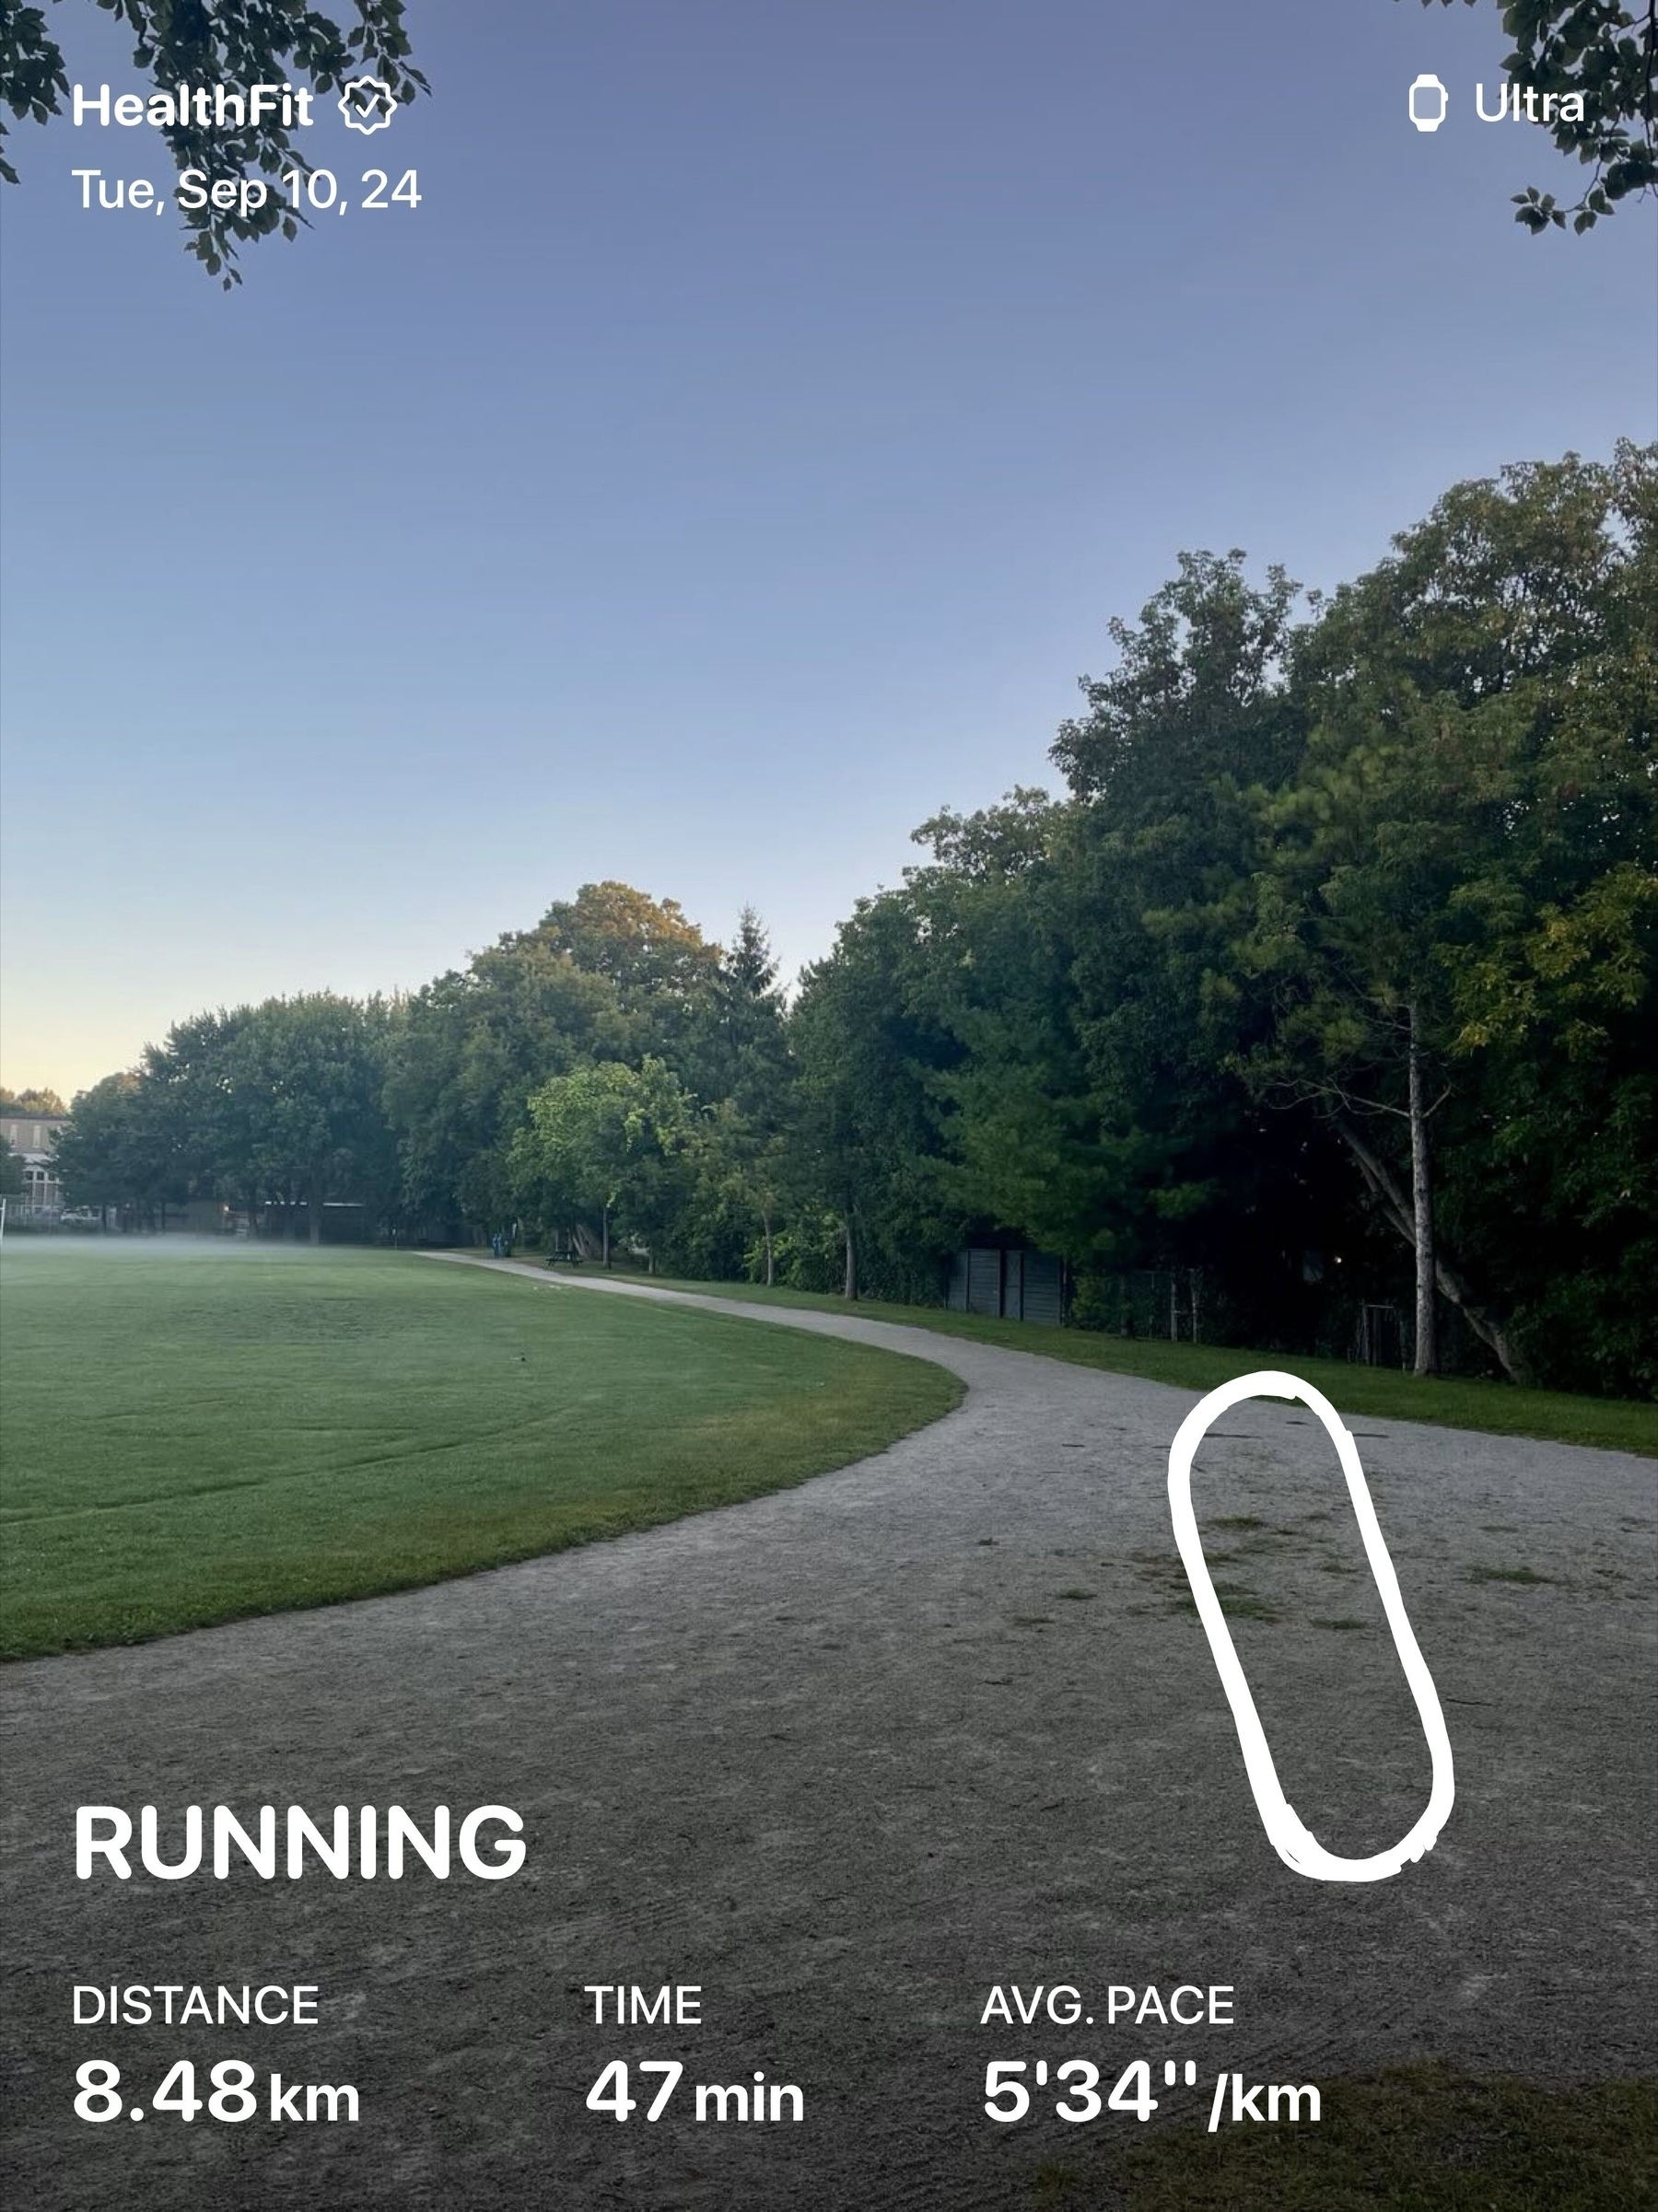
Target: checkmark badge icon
pixel 366 104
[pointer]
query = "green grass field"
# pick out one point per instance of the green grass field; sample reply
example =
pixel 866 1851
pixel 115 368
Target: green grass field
pixel 189 1434
pixel 1616 1423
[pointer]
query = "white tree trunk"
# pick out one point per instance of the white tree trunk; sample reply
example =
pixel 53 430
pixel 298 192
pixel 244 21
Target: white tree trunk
pixel 1489 1327
pixel 1421 1213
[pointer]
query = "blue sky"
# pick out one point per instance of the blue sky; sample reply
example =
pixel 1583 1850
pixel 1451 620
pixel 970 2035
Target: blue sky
pixel 736 456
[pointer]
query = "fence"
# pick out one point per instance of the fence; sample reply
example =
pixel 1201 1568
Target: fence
pixel 1170 1302
pixel 1012 1286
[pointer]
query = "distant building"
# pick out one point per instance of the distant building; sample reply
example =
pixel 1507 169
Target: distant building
pixel 33 1137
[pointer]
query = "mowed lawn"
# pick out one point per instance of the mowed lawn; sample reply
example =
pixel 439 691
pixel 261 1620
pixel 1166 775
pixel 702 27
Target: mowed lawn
pixel 190 1433
pixel 1450 1401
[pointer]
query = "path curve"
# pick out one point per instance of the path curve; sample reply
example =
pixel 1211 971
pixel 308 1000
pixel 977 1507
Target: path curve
pixel 846 1756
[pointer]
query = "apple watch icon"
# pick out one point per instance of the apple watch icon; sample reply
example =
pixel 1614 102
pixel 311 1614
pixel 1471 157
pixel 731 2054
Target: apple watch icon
pixel 1424 112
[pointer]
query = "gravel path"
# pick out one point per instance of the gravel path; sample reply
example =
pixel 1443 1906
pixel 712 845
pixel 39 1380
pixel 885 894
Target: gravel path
pixel 847 1757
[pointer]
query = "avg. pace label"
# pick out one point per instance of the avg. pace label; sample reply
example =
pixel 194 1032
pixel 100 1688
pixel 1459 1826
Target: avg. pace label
pixel 1078 2089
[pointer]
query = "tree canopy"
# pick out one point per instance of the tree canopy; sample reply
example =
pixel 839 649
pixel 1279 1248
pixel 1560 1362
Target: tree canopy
pixel 276 1105
pixel 606 1140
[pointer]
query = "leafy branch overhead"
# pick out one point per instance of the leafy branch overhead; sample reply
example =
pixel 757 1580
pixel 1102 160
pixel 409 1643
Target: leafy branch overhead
pixel 1608 55
pixel 235 44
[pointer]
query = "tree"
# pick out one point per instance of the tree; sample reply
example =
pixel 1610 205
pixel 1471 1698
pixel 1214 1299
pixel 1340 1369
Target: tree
pixel 302 1079
pixel 746 1050
pixel 124 1147
pixel 464 1054
pixel 1180 1166
pixel 740 1182
pixel 645 946
pixel 740 1068
pixel 277 1104
pixel 1195 694
pixel 864 1143
pixel 1595 63
pixel 183 45
pixel 11 1170
pixel 991 970
pixel 1456 904
pixel 1349 918
pixel 611 974
pixel 1552 1177
pixel 607 1139
pixel 46 1103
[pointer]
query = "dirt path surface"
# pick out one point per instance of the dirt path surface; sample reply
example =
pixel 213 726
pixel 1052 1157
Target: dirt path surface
pixel 847 1757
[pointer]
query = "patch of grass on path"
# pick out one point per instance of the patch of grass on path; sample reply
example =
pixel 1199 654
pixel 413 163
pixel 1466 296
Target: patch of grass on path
pixel 193 1433
pixel 1498 1408
pixel 1420 2138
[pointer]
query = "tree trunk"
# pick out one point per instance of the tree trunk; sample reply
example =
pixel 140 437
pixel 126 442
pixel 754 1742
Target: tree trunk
pixel 770 1264
pixel 606 1245
pixel 850 1286
pixel 313 1207
pixel 1421 1213
pixel 1489 1327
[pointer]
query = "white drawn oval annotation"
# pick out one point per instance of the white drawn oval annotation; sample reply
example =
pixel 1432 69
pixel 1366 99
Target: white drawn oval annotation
pixel 1294 1844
